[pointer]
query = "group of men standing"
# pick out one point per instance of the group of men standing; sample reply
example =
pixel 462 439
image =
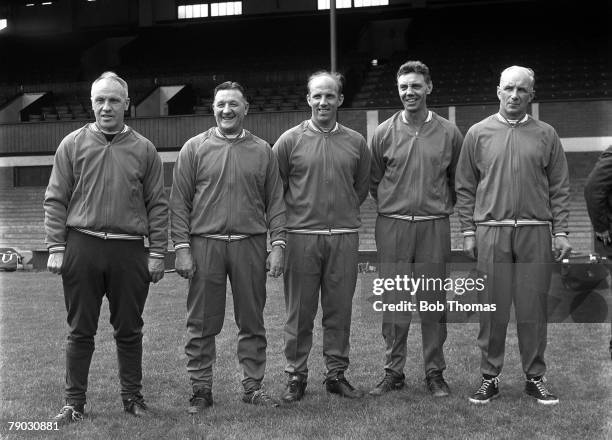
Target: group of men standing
pixel 508 179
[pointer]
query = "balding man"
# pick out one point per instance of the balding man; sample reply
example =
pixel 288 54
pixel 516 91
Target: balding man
pixel 325 168
pixel 513 202
pixel 106 192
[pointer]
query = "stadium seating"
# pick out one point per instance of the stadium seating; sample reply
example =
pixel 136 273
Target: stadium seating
pixel 465 70
pixel 473 76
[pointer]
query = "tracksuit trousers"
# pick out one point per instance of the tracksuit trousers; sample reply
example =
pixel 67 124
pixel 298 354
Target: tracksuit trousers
pixel 327 263
pixel 517 264
pixel 244 262
pixel 93 268
pixel 417 249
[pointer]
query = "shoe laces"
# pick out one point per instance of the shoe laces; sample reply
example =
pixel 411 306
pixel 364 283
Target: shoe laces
pixel 74 414
pixel 260 395
pixel 539 384
pixel 486 383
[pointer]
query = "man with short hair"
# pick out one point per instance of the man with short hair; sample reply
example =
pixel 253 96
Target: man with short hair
pixel 324 167
pixel 226 194
pixel 414 155
pixel 106 192
pixel 513 203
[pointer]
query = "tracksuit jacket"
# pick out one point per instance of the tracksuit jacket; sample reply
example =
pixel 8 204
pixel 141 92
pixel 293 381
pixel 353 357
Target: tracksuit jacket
pixel 335 168
pixel 415 175
pixel 110 187
pixel 233 184
pixel 510 172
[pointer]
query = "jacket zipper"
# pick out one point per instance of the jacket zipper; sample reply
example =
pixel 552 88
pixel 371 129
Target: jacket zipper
pixel 230 188
pixel 329 180
pixel 515 171
pixel 107 157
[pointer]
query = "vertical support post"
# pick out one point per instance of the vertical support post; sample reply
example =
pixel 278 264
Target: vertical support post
pixel 332 35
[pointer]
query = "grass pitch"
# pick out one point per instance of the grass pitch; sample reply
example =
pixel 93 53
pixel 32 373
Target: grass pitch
pixel 33 333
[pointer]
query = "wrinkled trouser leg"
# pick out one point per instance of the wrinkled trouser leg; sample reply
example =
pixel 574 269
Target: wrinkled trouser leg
pixel 205 308
pixel 517 263
pixel 316 262
pixel 337 291
pixel 401 243
pixel 92 268
pixel 247 274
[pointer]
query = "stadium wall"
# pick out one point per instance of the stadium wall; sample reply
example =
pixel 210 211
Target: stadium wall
pixel 579 119
pixel 586 123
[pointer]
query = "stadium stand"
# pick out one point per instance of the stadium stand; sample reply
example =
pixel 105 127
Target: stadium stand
pixel 464 66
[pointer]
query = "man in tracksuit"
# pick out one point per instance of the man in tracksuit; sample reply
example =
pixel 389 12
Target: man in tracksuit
pixel 324 167
pixel 106 192
pixel 598 196
pixel 513 203
pixel 414 155
pixel 226 194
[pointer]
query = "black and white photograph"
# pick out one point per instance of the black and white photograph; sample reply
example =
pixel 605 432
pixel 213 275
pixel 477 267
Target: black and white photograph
pixel 305 219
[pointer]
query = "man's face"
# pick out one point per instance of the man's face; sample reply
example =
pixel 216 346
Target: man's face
pixel 413 91
pixel 109 102
pixel 515 92
pixel 230 108
pixel 324 100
